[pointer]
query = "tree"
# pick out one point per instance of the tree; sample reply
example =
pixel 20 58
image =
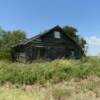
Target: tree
pixel 7 39
pixel 71 31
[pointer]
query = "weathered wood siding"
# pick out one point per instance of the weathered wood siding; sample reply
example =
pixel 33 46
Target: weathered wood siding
pixel 53 48
pixel 49 47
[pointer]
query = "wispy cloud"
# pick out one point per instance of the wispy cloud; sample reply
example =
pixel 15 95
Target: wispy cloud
pixel 93 45
pixel 93 40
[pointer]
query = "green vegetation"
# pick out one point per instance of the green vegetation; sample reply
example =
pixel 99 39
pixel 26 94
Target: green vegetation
pixel 71 31
pixel 51 80
pixel 7 39
pixel 52 71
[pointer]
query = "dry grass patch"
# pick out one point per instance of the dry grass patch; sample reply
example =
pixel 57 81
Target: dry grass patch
pixel 86 89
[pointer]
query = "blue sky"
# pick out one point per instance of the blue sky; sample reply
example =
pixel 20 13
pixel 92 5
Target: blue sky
pixel 34 16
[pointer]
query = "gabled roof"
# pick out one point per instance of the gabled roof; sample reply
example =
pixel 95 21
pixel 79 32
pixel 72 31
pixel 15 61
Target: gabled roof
pixel 24 42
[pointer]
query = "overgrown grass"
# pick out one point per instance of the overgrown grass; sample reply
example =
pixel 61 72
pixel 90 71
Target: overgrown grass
pixel 86 89
pixel 53 71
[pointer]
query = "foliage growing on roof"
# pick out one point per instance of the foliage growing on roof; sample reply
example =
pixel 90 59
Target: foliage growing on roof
pixel 71 31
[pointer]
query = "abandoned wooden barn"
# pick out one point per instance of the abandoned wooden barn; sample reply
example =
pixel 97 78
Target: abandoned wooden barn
pixel 51 44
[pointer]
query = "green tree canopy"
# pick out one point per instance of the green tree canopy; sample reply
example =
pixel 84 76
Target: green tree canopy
pixel 7 39
pixel 71 31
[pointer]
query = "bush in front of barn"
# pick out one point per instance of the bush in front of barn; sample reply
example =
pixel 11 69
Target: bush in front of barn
pixel 54 71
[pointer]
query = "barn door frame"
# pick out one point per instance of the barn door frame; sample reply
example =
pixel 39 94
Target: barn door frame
pixel 41 52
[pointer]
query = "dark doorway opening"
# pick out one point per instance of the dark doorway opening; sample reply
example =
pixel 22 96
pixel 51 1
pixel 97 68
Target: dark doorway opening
pixel 41 52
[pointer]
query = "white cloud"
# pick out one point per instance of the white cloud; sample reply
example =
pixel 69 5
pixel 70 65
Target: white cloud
pixel 93 40
pixel 93 45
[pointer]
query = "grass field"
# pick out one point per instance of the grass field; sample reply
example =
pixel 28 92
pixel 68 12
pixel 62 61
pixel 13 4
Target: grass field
pixel 54 71
pixel 51 80
pixel 87 89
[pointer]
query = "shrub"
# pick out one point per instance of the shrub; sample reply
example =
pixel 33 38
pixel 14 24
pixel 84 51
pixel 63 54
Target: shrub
pixel 54 71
